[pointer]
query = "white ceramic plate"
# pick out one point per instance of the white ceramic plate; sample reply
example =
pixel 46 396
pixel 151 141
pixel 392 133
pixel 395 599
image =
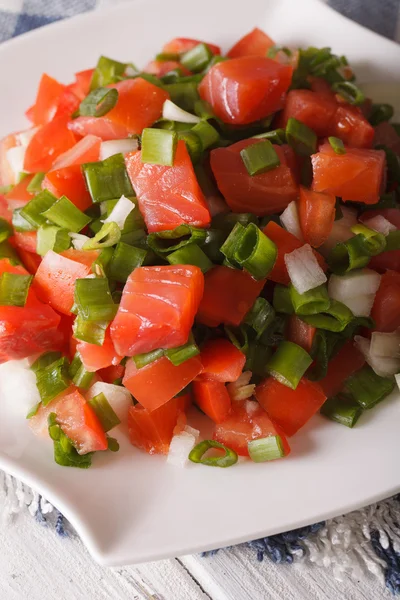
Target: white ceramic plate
pixel 132 507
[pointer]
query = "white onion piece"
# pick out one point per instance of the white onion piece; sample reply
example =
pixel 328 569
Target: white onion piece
pixel 71 156
pixel 120 212
pixel 24 137
pixel 251 407
pixel 341 230
pixel 290 220
pixel 194 432
pixel 357 283
pixel 179 449
pixel 112 147
pixel 131 71
pixel 384 367
pixel 360 306
pixel 172 112
pixel 385 345
pixel 118 397
pixel 78 240
pixel 380 224
pixel 304 270
pixel 15 157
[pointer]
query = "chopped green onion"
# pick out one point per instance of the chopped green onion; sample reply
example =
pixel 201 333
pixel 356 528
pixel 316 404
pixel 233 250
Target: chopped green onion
pixel 52 380
pixel 185 95
pixel 193 144
pixel 196 455
pixel 196 59
pixel 80 376
pixel 342 410
pixel 191 254
pixel 349 91
pixel 277 136
pixel 352 254
pixel 107 179
pixel 93 299
pixel 7 251
pixel 257 356
pixel 324 347
pixel 50 237
pixel 5 230
pixel 166 56
pixel 159 146
pixel 289 363
pixel 34 410
pixel 276 332
pixel 32 211
pixel 182 353
pixel 45 360
pixel 14 289
pixel 239 337
pixel 310 303
pixel 260 158
pixel 107 71
pixel 207 134
pixel 367 388
pixel 374 241
pixel 100 265
pixel 273 51
pixel 164 242
pixel 19 223
pixel 203 110
pixel 99 102
pixel 380 113
pixel 104 412
pixel 142 360
pixel 212 244
pixel 113 444
pixel 255 252
pixel 282 301
pixel 65 214
pixel 301 138
pixel 260 316
pixel 233 241
pixel 124 260
pixel 337 145
pixel 91 332
pixel 64 452
pixel 335 318
pixel 109 235
pixel 265 449
pixel 4 189
pixel 35 184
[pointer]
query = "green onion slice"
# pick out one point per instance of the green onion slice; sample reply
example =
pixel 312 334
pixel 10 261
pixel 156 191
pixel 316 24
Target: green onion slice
pixel 265 449
pixel 159 146
pixel 255 252
pixel 260 316
pixel 374 241
pixel 164 242
pixel 196 59
pixel 288 364
pixel 52 380
pixel 349 91
pixel 198 452
pixel 276 136
pixel 367 388
pixel 185 95
pixel 93 299
pixel 239 337
pixel 64 452
pixel 80 376
pixel 124 260
pixel 35 184
pixel 65 214
pixel 191 254
pixel 142 360
pixel 107 179
pixel 380 113
pixel 50 237
pixel 342 410
pixel 260 158
pixel 104 412
pixel 282 301
pixel 5 230
pixel 109 235
pixel 45 360
pixel 337 145
pixel 302 139
pixel 257 357
pixel 182 353
pixel 20 223
pixel 99 102
pixel 335 318
pixel 32 211
pixel 107 71
pixel 206 133
pixel 14 289
pixel 310 303
pixel 92 332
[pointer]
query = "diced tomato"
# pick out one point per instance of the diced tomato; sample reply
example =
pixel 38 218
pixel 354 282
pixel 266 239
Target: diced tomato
pixel 98 357
pixel 139 105
pixel 228 296
pixel 389 260
pixel 285 242
pixel 30 260
pixel 47 100
pixel 26 240
pixel 247 422
pixel 316 214
pixel 358 175
pixel 346 362
pixel 69 182
pixel 221 360
pixel 86 150
pixel 19 195
pixel 82 83
pixel 158 382
pixel 47 144
pixel 69 102
pixel 301 333
pixel 321 87
pixel 181 45
pixel 262 194
pixel 255 43
pixel 152 431
pixel 386 135
pixel 212 398
pixel 350 125
pixel 160 67
pixel 7 175
pixel 314 110
pixel 112 373
pixel 386 308
pixel 168 196
pixel 85 257
pixel 290 409
pixel 7 267
pixel 157 308
pixel 39 422
pixel 79 422
pixel 246 89
pixel 55 280
pixel 5 212
pixel 29 113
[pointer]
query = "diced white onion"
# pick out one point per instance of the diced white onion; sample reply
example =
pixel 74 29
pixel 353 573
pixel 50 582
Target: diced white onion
pixel 356 290
pixel 380 224
pixel 241 389
pixel 112 147
pixel 24 137
pixel 180 447
pixel 194 432
pixel 304 270
pixel 15 157
pixel 385 345
pixel 71 156
pixel 119 398
pixel 120 212
pixel 341 230
pixel 251 407
pixel 360 306
pixel 290 220
pixel 172 112
pixel 383 366
pixel 78 240
pixel 131 71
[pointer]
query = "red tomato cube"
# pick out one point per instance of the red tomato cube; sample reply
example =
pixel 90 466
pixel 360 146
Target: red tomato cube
pixel 69 182
pixel 212 398
pixel 255 43
pixel 317 111
pixel 221 360
pixel 47 144
pixel 96 357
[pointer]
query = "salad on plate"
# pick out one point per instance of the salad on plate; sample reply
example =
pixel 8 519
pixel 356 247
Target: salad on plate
pixel 217 232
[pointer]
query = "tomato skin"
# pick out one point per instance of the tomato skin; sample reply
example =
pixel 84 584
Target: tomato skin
pixel 263 194
pixel 30 260
pixel 181 45
pixel 301 333
pixel 221 360
pixel 157 308
pixel 79 422
pixel 317 214
pixel 19 195
pixel 86 150
pixel 5 212
pixel 285 242
pixel 158 382
pixel 386 308
pixel 47 144
pixel 84 257
pixel 290 409
pixel 352 127
pixel 152 431
pixel 314 110
pixel 112 373
pixel 26 240
pixel 82 83
pixel 386 134
pixel 228 296
pixel 346 362
pixel 212 398
pixel 356 176
pixel 69 182
pixel 241 427
pixel 47 100
pixel 55 280
pixel 98 357
pixel 254 43
pixel 246 89
pixel 168 196
pixel 159 68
